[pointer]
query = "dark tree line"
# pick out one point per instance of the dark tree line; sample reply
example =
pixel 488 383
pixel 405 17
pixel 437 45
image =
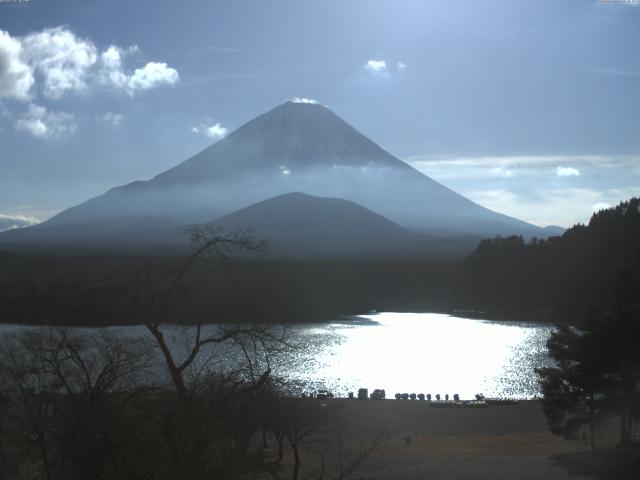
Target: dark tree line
pixel 63 290
pixel 558 276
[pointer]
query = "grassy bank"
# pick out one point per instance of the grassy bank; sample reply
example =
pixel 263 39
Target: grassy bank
pixel 498 442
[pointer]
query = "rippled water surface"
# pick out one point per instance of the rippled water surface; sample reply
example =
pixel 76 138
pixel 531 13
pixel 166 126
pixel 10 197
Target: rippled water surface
pixel 412 353
pixel 422 352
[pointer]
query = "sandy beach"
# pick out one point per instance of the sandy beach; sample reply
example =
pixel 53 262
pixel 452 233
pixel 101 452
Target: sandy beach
pixel 498 442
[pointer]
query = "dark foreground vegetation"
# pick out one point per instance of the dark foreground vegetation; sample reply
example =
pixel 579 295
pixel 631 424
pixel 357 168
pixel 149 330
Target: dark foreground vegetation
pixel 98 406
pixel 85 290
pixel 555 278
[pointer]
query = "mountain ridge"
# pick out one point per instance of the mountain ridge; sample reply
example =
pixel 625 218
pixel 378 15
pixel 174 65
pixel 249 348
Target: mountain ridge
pixel 297 147
pixel 296 225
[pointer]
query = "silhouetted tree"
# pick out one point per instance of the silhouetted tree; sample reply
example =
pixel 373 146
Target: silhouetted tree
pixel 67 398
pixel 217 372
pixel 597 372
pixel 570 389
pixel 322 444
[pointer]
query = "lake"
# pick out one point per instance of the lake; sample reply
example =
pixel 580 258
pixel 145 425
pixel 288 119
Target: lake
pixel 413 353
pixel 423 352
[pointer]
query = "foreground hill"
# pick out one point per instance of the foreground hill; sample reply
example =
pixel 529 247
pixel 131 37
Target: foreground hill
pixel 301 225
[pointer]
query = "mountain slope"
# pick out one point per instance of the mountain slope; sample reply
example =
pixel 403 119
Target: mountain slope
pixel 300 225
pixel 112 234
pixel 291 136
pixel 305 148
pixel 306 224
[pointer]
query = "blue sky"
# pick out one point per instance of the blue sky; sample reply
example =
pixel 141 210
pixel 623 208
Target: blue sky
pixel 531 108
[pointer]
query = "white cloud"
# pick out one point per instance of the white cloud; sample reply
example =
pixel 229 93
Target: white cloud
pixel 460 167
pixel 501 172
pixel 551 206
pixel 10 222
pixel 285 171
pixel 601 206
pixel 39 122
pixel 113 119
pixel 63 60
pixel 16 77
pixel 377 66
pixel 111 68
pixel 215 131
pixel 152 75
pixel 381 68
pixel 533 191
pixel 567 172
pixel 58 62
pixel 111 58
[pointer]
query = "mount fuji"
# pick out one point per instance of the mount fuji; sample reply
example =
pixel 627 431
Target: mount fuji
pixel 295 147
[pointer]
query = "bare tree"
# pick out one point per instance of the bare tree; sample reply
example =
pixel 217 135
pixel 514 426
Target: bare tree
pixel 156 300
pixel 323 444
pixel 305 418
pixel 217 372
pixel 341 451
pixel 66 394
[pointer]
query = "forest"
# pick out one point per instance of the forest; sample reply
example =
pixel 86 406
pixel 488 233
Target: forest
pixel 87 290
pixel 553 279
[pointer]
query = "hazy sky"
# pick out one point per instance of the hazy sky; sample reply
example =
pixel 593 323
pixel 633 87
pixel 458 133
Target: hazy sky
pixel 531 108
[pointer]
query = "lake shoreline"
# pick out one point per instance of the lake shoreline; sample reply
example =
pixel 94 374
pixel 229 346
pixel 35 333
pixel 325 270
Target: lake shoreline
pixel 543 318
pixel 539 317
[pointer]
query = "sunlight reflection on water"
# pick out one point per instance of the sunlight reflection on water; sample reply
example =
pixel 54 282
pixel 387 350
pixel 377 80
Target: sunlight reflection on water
pixel 422 352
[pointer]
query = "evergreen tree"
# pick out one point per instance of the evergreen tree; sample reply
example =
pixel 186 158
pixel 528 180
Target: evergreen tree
pixel 598 364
